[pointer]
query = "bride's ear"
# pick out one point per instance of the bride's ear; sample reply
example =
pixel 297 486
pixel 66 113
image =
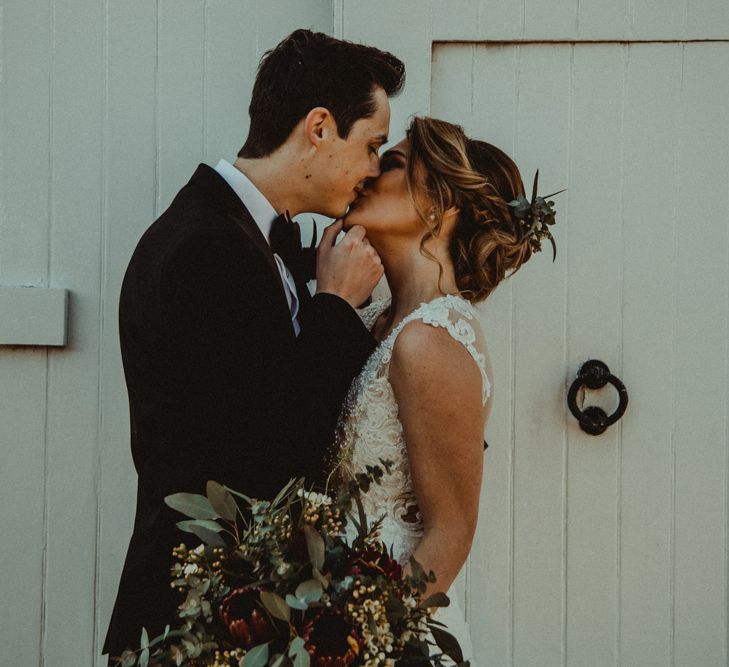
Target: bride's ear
pixel 450 216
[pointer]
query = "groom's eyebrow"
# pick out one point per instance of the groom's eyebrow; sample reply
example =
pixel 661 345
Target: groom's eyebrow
pixel 381 139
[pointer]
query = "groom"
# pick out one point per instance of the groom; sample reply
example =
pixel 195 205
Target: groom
pixel 234 371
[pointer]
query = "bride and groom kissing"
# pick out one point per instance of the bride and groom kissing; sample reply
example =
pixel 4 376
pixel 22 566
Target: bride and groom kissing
pixel 236 373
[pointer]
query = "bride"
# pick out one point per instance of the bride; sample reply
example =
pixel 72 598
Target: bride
pixel 439 216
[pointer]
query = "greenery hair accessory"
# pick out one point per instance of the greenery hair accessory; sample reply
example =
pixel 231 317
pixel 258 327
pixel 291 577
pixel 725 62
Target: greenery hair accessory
pixel 535 216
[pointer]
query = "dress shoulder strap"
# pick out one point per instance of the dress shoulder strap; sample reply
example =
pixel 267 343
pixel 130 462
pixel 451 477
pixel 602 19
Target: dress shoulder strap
pixel 458 317
pixel 372 311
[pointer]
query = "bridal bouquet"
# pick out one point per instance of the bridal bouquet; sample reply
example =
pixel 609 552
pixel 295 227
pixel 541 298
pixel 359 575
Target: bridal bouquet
pixel 278 584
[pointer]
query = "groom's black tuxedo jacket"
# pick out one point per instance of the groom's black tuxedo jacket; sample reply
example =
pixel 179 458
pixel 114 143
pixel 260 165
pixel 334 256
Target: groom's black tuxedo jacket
pixel 219 385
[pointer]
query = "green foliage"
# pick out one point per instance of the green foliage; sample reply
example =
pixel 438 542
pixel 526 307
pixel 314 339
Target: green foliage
pixel 270 576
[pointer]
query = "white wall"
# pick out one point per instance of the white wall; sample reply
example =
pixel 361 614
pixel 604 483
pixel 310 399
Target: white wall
pixel 107 107
pixel 608 550
pixel 106 110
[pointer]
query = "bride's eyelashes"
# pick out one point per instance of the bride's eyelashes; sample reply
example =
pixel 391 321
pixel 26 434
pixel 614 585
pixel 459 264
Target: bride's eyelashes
pixel 390 162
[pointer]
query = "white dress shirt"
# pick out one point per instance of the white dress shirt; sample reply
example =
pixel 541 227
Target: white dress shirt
pixel 263 214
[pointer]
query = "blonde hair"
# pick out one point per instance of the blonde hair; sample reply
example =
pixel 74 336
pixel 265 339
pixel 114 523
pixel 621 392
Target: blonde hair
pixel 451 170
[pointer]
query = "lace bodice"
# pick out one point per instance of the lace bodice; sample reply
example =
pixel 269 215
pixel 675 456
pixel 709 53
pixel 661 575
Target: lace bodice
pixel 369 428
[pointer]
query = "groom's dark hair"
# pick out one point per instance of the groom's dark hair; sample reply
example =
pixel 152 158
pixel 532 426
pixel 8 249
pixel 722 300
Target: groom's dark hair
pixel 311 69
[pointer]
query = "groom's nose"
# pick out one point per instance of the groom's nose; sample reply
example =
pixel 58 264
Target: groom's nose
pixel 374 167
pixel 366 185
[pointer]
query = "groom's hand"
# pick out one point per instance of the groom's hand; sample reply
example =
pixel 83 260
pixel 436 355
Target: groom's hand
pixel 351 268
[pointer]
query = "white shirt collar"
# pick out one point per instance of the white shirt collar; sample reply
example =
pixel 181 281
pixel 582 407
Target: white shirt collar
pixel 258 206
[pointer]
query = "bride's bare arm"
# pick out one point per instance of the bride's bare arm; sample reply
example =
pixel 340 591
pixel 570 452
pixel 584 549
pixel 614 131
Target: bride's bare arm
pixel 438 389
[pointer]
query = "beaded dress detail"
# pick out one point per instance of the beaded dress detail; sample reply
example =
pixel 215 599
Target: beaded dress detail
pixel 369 430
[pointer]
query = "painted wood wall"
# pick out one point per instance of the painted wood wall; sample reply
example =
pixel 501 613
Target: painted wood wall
pixel 107 108
pixel 607 550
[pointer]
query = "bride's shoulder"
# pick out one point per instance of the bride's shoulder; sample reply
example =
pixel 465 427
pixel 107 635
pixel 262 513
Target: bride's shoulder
pixel 444 339
pixel 425 356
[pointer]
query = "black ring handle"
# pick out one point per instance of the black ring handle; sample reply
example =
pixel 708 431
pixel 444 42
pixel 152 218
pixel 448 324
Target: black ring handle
pixel 595 374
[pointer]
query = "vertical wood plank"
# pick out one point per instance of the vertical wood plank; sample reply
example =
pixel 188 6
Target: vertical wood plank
pixel 180 95
pixel 499 19
pixel 455 20
pixel 707 19
pixel 495 97
pixel 652 20
pixel 22 500
pixel 76 149
pixel 129 207
pixel 273 21
pixel 25 131
pixel 593 330
pixel 539 292
pixel 645 487
pixel 550 19
pixel 701 279
pixel 25 111
pixel 385 30
pixel 230 66
pixel 601 19
pixel 452 90
pixel 451 95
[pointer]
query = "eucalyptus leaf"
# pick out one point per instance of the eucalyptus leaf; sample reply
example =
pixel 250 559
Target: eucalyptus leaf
pixel 256 657
pixel 416 568
pixel 437 600
pixel 296 603
pixel 322 579
pixel 128 659
pixel 297 643
pixel 144 639
pixel 282 493
pixel 208 536
pixel 315 546
pixel 191 504
pixel 276 606
pixel 448 644
pixel 302 659
pixel 248 499
pixel 309 591
pixel 363 530
pixel 200 523
pixel 144 658
pixel 277 660
pixel 221 500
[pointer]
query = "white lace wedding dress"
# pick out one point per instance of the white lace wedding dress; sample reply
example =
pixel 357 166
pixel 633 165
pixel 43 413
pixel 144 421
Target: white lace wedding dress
pixel 369 430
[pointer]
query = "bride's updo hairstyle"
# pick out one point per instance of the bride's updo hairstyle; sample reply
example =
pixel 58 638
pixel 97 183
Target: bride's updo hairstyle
pixel 450 170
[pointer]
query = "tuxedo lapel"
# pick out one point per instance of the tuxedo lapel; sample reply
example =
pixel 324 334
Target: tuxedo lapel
pixel 224 198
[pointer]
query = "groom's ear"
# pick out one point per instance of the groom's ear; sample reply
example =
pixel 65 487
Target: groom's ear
pixel 318 125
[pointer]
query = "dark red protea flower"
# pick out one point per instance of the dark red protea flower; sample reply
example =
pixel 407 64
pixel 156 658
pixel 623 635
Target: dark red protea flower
pixel 372 562
pixel 242 613
pixel 330 639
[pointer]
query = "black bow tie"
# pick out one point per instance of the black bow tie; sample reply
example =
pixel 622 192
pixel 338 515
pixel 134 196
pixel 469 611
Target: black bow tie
pixel 285 240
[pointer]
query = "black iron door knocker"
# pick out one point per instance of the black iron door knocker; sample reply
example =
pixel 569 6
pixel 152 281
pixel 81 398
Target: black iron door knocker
pixel 595 374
